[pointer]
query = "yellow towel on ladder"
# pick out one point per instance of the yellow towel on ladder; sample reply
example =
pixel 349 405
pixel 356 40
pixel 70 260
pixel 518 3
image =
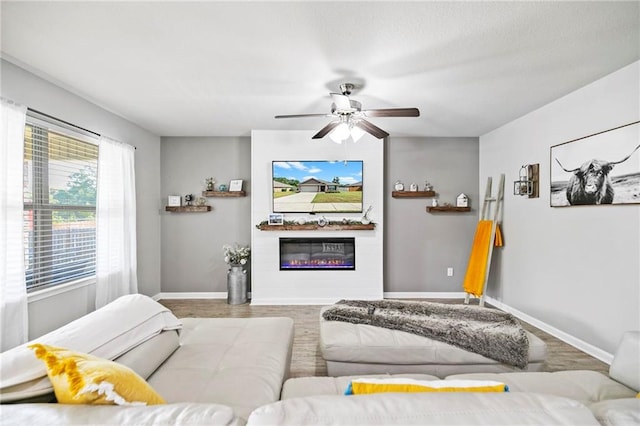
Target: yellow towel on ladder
pixel 498 241
pixel 477 267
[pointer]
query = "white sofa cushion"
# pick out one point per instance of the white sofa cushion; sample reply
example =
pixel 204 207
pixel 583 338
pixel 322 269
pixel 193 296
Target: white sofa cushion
pixel 425 409
pixel 98 415
pixel 582 385
pixel 108 333
pixel 238 362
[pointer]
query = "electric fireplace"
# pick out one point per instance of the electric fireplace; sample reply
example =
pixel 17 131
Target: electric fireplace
pixel 317 254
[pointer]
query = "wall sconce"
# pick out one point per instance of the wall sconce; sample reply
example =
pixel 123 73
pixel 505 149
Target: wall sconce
pixel 527 183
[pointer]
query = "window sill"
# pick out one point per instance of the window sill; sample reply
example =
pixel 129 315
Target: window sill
pixel 36 295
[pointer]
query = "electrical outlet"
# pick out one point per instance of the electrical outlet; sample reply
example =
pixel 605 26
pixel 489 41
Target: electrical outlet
pixel 450 271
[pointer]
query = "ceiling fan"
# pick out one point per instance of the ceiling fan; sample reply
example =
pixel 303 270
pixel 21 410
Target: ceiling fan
pixel 350 117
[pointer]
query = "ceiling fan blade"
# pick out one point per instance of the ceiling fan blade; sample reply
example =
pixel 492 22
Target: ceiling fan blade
pixel 341 101
pixel 372 129
pixel 303 115
pixel 325 130
pixel 392 112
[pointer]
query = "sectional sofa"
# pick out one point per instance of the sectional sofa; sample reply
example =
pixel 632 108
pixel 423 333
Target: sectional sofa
pixel 229 371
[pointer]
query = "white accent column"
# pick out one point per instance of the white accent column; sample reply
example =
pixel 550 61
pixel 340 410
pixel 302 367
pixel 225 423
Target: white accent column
pixel 269 285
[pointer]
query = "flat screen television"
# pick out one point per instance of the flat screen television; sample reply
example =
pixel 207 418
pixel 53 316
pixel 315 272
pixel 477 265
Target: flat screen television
pixel 318 186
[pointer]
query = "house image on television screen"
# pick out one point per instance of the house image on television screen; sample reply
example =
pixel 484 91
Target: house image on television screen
pixel 317 186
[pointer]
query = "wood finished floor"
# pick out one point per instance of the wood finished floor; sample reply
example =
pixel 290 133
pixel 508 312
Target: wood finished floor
pixel 306 359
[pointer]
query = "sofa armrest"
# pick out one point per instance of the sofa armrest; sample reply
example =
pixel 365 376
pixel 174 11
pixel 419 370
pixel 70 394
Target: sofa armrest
pixel 145 358
pixel 161 415
pixel 625 367
pixel 617 412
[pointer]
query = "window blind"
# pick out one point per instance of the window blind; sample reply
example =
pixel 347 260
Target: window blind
pixel 60 171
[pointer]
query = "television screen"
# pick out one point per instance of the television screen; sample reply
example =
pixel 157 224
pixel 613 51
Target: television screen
pixel 317 186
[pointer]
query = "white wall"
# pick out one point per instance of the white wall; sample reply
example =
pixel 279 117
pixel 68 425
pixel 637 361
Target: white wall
pixel 192 257
pixel 272 286
pixel 575 268
pixel 28 89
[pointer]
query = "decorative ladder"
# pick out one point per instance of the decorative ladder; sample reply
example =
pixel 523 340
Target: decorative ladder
pixel 487 236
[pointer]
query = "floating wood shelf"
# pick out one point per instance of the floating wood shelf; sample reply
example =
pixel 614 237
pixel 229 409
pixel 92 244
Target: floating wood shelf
pixel 448 209
pixel 187 209
pixel 224 193
pixel 316 227
pixel 413 194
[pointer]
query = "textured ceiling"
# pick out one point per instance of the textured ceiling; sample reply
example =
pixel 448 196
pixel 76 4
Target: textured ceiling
pixel 224 68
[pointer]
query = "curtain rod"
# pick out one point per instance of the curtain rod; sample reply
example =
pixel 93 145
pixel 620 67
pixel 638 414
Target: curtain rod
pixel 65 122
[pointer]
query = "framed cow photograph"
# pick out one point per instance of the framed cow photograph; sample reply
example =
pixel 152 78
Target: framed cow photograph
pixel 599 169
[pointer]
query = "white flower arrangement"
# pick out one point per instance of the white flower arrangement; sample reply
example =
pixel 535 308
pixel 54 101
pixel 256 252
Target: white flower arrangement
pixel 210 181
pixel 237 255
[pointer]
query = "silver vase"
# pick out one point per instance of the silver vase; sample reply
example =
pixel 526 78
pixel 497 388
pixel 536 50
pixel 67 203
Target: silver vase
pixel 236 285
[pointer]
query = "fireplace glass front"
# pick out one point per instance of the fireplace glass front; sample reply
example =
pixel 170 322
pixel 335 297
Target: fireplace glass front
pixel 317 254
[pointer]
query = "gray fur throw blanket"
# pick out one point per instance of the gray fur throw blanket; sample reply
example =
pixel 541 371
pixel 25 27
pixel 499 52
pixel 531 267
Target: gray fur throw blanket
pixel 489 332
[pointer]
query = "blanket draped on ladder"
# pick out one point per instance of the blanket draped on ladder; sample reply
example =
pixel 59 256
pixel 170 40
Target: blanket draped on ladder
pixel 488 332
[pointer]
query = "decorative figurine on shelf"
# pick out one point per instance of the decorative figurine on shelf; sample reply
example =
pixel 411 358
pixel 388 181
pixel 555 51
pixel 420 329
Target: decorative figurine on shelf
pixel 188 199
pixel 427 186
pixel 365 217
pixel 201 201
pixel 434 203
pixel 462 200
pixel 210 183
pixel 399 186
pixel 222 187
pixel 413 187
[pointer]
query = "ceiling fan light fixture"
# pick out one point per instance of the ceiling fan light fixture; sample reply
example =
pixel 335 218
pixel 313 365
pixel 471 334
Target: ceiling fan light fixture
pixel 340 133
pixel 356 133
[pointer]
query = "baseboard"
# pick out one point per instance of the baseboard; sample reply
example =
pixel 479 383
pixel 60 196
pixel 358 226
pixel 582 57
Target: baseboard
pixel 565 337
pixel 280 302
pixel 423 295
pixel 194 295
pixel 314 301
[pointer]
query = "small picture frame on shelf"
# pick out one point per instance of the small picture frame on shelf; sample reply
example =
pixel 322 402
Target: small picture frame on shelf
pixel 235 185
pixel 276 219
pixel 174 201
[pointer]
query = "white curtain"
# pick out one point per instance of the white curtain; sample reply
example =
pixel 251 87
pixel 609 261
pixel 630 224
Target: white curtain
pixel 13 288
pixel 116 263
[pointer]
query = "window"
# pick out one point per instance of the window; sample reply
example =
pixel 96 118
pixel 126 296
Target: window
pixel 60 170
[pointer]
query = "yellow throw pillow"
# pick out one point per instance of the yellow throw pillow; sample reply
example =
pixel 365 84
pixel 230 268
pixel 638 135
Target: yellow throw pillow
pixel 79 378
pixel 366 386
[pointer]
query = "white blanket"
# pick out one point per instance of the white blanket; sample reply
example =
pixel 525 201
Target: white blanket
pixel 107 333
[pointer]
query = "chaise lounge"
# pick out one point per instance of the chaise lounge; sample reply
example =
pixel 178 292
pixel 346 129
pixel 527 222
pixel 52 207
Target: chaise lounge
pixel 208 370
